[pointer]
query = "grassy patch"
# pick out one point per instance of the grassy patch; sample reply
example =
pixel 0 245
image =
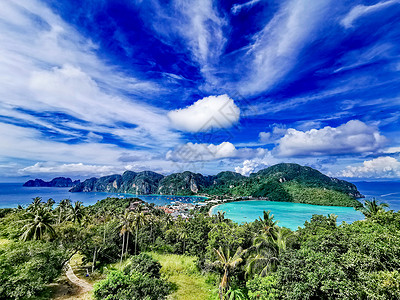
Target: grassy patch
pixel 4 242
pixel 182 271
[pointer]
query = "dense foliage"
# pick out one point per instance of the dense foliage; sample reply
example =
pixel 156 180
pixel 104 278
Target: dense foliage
pixel 281 182
pixel 26 268
pixel 257 260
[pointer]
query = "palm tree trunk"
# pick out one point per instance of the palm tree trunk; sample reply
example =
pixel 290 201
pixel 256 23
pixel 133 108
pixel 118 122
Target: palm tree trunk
pixel 223 285
pixel 136 239
pixel 127 244
pixel 104 235
pixel 123 246
pixel 94 259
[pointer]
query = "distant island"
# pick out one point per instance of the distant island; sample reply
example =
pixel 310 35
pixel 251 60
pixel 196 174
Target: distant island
pixel 56 182
pixel 282 182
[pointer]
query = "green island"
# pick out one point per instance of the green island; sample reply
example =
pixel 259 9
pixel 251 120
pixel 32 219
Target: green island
pixel 130 249
pixel 285 182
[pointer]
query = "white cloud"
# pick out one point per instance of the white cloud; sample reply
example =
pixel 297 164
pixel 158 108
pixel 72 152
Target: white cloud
pixel 360 10
pixel 264 137
pixel 278 131
pixel 249 166
pixel 202 152
pixel 392 150
pixel 191 152
pixel 381 167
pixel 47 66
pixel 78 169
pixel 277 46
pixel 351 137
pixel 236 8
pixel 205 114
pixel 200 26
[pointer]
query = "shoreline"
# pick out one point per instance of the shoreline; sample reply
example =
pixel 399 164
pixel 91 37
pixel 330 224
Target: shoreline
pixel 246 200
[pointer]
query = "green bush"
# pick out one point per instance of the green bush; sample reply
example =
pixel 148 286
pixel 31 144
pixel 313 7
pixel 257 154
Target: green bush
pixel 121 286
pixel 143 263
pixel 26 268
pixel 263 288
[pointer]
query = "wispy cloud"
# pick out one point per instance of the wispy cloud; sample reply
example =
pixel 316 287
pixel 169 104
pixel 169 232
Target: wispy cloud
pixel 361 10
pixel 276 48
pixel 47 66
pixel 201 28
pixel 236 8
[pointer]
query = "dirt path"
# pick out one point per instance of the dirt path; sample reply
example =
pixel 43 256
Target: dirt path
pixel 82 284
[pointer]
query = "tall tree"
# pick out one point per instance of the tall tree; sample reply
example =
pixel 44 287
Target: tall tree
pixel 76 212
pixel 372 207
pixel 269 226
pixel 139 219
pixel 63 207
pixel 125 223
pixel 228 264
pixel 38 223
pixel 267 248
pixel 35 205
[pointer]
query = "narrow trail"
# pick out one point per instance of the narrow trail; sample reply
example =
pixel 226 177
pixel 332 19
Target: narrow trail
pixel 84 286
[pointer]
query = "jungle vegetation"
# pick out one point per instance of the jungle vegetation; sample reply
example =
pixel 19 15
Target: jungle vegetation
pixel 257 260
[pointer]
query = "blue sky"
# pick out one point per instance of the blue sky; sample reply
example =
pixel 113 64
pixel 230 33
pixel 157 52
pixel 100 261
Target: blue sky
pixel 91 88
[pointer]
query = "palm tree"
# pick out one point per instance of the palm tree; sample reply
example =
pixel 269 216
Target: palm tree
pixel 332 220
pixel 39 223
pixel 182 235
pixel 125 223
pixel 76 212
pixel 371 208
pixel 269 226
pixel 35 205
pixel 63 206
pixel 228 263
pixel 49 204
pixel 139 220
pixel 267 250
pixel 220 217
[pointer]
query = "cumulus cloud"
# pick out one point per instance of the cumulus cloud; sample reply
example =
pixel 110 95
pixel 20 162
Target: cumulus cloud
pixel 211 112
pixel 248 167
pixel 191 152
pixel 361 10
pixel 264 137
pixel 351 137
pixel 201 152
pixel 278 131
pixel 381 167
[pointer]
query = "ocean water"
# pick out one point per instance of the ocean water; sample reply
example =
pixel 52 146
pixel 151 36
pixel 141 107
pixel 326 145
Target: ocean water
pixel 290 215
pixel 14 194
pixel 385 191
pixel 293 215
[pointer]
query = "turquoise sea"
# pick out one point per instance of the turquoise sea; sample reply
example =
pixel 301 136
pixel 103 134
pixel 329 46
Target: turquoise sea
pixel 293 215
pixel 290 215
pixel 14 194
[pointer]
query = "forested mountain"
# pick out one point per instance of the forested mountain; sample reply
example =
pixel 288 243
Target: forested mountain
pixel 56 182
pixel 281 182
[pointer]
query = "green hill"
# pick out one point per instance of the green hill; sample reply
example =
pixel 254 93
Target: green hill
pixel 281 182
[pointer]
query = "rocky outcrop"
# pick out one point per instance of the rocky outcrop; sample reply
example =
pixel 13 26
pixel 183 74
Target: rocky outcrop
pixel 142 183
pixel 56 182
pixel 224 183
